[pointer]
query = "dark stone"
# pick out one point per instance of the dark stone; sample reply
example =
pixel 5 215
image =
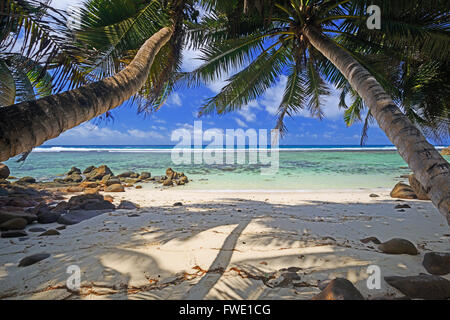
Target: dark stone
pixel 89 202
pixel 5 216
pixel 22 202
pixel 37 230
pixel 98 173
pixel 145 175
pixel 26 180
pixel 14 224
pixel 133 215
pixel 49 217
pixel 437 263
pixel 115 188
pixel 373 195
pixel 35 258
pixel 73 178
pixel 423 286
pixel 61 207
pixel 61 228
pixel 40 209
pixel 127 174
pixel 4 171
pixel 403 191
pixel 371 239
pixel 339 289
pixel 14 234
pixel 112 181
pixel 398 246
pixel 177 204
pixel 73 170
pixel 78 216
pixel 402 206
pixel 50 232
pixel 88 169
pixel 124 204
pixel 94 204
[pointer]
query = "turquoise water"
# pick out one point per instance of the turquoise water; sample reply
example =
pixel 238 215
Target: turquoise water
pixel 305 168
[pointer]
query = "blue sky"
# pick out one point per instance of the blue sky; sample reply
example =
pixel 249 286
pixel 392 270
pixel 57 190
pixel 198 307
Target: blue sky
pixel 181 109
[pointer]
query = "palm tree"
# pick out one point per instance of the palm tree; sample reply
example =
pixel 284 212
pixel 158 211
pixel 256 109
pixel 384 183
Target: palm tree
pixel 144 31
pixel 298 37
pixel 420 89
pixel 22 79
pixel 34 38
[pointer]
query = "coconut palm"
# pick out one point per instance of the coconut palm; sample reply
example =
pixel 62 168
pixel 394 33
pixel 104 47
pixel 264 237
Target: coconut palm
pixel 319 42
pixel 421 90
pixel 22 79
pixel 150 30
pixel 34 38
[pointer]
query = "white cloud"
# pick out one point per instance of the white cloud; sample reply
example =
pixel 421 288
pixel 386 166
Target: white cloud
pixel 158 120
pixel 217 86
pixel 241 123
pixel 273 96
pixel 190 60
pixel 64 4
pixel 92 134
pixel 175 100
pixel 247 113
pixel 144 134
pixel 331 108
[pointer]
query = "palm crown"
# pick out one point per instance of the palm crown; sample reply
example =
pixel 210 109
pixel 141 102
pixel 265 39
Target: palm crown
pixel 269 41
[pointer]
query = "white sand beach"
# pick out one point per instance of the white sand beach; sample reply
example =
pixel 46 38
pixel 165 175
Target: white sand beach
pixel 225 245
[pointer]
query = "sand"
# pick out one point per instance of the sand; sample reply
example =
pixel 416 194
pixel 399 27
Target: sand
pixel 224 245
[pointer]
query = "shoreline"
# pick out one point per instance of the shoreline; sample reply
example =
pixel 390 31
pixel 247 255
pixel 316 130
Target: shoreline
pixel 286 191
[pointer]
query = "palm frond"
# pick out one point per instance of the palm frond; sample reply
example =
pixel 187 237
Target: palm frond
pixel 250 83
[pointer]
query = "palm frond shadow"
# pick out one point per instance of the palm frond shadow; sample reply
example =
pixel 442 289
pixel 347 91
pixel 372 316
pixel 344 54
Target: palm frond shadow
pixel 127 259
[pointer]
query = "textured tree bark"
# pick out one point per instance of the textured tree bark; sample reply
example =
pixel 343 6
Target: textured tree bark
pixel 429 167
pixel 29 124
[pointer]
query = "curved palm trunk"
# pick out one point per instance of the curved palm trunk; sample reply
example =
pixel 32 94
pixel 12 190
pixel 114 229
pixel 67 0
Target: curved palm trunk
pixel 29 124
pixel 429 167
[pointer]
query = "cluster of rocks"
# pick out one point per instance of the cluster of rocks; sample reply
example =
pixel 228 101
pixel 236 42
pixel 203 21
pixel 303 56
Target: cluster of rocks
pixel 95 179
pixel 18 210
pixel 412 191
pixel 172 178
pixel 21 206
pixel 26 202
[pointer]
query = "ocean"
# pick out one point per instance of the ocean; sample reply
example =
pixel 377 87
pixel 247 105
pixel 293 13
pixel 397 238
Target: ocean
pixel 299 168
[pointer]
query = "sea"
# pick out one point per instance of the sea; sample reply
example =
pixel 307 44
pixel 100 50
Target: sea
pixel 295 167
